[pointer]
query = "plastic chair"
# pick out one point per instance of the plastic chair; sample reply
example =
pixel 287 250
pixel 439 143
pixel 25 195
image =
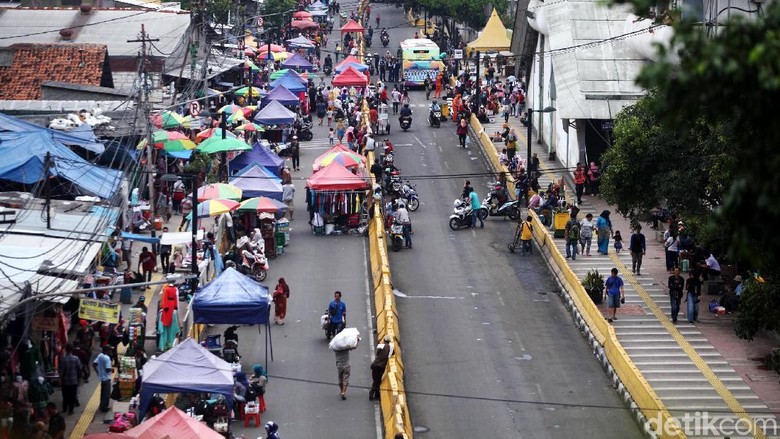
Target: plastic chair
pixel 252 412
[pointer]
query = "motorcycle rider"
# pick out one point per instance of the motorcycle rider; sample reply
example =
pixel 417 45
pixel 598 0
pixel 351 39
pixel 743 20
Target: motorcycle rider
pixel 405 112
pixel 402 218
pixel 433 108
pixel 499 193
pixel 328 63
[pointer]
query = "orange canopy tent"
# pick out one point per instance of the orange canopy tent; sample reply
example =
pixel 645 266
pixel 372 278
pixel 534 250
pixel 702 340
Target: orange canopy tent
pixel 172 423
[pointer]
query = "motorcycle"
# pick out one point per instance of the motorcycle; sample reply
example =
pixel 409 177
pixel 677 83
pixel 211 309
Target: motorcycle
pixel 253 264
pixel 304 132
pixel 397 236
pixel 461 215
pixel 410 194
pixel 434 118
pixel 385 40
pixel 406 122
pixel 508 208
pixel 328 69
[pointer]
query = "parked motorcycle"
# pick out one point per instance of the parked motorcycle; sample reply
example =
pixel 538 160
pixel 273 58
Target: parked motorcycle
pixel 253 264
pixel 396 236
pixel 461 215
pixel 434 118
pixel 304 132
pixel 406 122
pixel 409 192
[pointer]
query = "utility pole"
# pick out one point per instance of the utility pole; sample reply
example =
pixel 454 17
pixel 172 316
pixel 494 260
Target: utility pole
pixel 143 100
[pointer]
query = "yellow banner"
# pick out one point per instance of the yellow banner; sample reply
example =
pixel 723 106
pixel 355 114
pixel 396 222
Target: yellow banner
pixel 98 310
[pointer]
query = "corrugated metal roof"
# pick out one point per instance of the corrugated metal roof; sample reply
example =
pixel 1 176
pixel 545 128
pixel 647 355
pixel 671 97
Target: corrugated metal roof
pixel 593 82
pixel 112 27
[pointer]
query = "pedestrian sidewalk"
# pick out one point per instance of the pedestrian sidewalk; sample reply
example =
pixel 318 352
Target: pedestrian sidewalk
pixel 701 367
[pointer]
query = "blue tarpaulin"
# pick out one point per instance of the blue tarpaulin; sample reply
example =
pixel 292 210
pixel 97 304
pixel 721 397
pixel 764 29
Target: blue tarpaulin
pixel 140 238
pixel 24 156
pixel 232 298
pixel 82 137
pixel 187 367
pixel 260 155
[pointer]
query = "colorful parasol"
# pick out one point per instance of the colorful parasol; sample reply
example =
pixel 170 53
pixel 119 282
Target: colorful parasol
pixel 274 47
pixel 248 110
pixel 348 159
pixel 252 66
pixel 301 15
pixel 159 137
pixel 244 91
pixel 219 191
pixel 276 56
pixel 230 109
pixel 216 144
pixel 250 127
pixel 212 132
pixel 215 207
pixel 167 119
pixel 279 73
pixel 236 117
pixel 262 204
pixel 177 145
pixel 304 24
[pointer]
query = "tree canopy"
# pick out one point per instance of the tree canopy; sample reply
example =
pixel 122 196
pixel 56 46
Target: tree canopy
pixel 474 13
pixel 277 13
pixel 705 142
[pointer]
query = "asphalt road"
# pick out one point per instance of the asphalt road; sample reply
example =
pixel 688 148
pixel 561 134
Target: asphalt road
pixel 489 349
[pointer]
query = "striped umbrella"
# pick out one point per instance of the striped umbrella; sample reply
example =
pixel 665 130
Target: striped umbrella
pixel 230 109
pixel 167 119
pixel 244 91
pixel 348 159
pixel 215 144
pixel 236 117
pixel 213 132
pixel 159 137
pixel 219 191
pixel 214 207
pixel 262 204
pixel 250 127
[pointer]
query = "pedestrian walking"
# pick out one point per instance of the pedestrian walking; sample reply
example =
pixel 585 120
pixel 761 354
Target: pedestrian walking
pixel 579 182
pixel 146 263
pixel 85 339
pixel 638 247
pixel 127 251
pixel 511 144
pixel 594 178
pixel 280 296
pixel 56 427
pixel 615 294
pixel 165 255
pixel 475 206
pixel 603 232
pixel 70 368
pixel 178 195
pixel 618 241
pixel 102 366
pixel 295 153
pixel 672 252
pixel 337 315
pixel 288 196
pixel 186 208
pixel 462 131
pixel 384 351
pixel 586 234
pixel 527 234
pixel 344 370
pixel 676 284
pixel 572 231
pixel 693 291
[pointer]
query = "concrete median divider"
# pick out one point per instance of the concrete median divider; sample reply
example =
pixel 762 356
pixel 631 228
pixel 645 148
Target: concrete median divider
pixel 651 413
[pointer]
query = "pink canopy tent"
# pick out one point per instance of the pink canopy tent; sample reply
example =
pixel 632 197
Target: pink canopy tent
pixel 172 423
pixel 351 26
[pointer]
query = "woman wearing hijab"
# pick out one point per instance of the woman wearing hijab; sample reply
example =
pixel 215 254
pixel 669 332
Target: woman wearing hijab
pixel 603 232
pixel 257 383
pixel 280 296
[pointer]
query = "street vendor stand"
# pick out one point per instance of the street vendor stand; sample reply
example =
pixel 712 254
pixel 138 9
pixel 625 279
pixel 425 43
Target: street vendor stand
pixel 335 197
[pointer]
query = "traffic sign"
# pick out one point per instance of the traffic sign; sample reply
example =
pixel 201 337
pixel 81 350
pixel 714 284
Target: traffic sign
pixel 457 53
pixel 195 108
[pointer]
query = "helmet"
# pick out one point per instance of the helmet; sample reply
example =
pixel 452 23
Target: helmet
pixel 434 102
pixel 271 426
pixel 406 105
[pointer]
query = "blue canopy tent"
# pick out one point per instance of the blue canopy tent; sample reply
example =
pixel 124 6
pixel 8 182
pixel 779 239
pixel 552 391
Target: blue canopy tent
pixel 274 114
pixel 265 171
pixel 297 62
pixel 24 162
pixel 260 155
pixel 234 299
pixel 282 95
pixel 291 81
pixel 81 137
pixel 255 182
pixel 302 42
pixel 187 367
pixel 357 66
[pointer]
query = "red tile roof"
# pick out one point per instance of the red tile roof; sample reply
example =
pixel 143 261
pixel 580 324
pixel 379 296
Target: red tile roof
pixel 33 64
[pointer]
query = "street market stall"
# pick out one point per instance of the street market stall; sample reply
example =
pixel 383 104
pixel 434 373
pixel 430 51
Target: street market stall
pixel 256 181
pixel 297 62
pixel 275 114
pixel 260 155
pixel 187 367
pixel 335 198
pixel 282 95
pixel 350 77
pixel 172 423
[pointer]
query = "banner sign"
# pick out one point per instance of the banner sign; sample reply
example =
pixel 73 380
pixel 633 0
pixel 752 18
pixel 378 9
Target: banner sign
pixel 99 310
pixel 40 323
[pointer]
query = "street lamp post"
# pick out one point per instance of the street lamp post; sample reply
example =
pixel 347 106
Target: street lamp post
pixel 530 124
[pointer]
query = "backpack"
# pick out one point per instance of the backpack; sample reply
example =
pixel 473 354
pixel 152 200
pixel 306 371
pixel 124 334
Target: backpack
pixel 574 232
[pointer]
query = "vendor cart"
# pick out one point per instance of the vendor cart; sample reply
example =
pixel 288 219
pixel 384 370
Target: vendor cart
pixel 559 223
pixel 383 121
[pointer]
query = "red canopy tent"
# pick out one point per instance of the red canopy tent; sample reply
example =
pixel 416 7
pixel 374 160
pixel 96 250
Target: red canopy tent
pixel 172 423
pixel 351 26
pixel 302 15
pixel 350 77
pixel 335 177
pixel 347 60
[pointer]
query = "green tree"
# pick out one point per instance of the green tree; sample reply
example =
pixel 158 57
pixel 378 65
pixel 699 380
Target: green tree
pixel 219 10
pixel 473 13
pixel 729 83
pixel 277 13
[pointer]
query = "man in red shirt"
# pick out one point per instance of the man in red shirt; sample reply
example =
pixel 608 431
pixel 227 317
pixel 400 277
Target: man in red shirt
pixel 373 116
pixel 146 263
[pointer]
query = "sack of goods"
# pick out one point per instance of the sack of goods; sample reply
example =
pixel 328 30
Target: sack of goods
pixel 345 340
pixel 324 321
